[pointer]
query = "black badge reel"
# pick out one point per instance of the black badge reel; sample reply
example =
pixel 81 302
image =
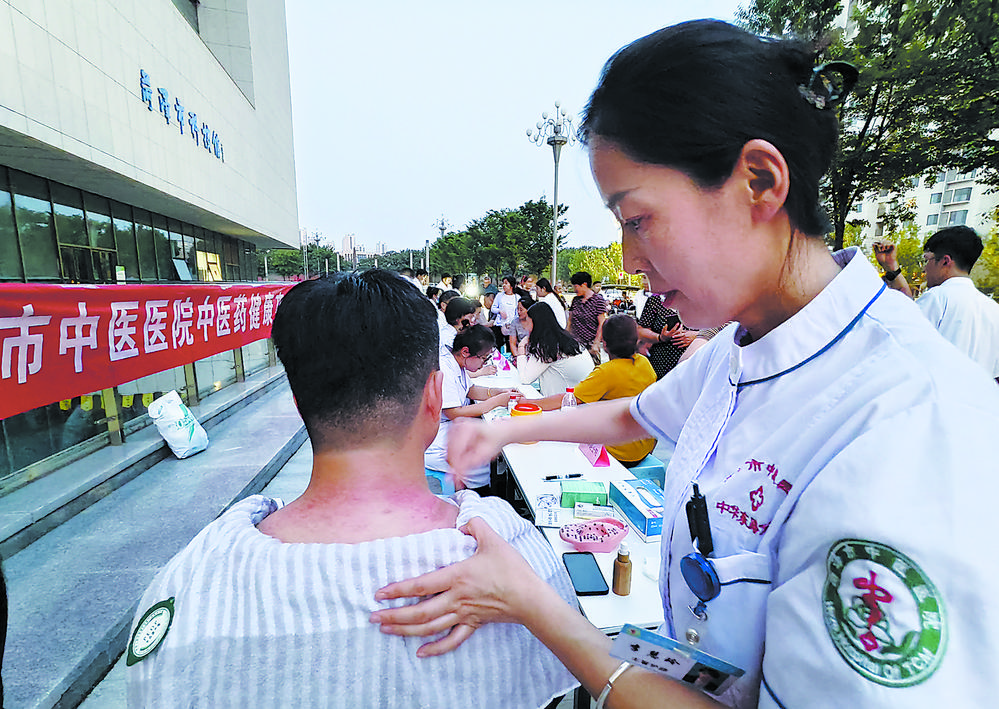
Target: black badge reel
pixel 705 577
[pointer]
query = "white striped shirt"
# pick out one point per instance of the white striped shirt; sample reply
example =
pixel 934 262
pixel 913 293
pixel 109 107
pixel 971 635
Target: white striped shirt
pixel 261 623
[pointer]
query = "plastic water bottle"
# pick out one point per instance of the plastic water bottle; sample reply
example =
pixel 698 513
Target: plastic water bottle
pixel 569 399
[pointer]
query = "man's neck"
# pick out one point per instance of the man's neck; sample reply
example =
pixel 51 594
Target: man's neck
pixel 360 495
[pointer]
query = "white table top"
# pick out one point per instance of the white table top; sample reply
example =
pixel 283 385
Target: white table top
pixel 529 463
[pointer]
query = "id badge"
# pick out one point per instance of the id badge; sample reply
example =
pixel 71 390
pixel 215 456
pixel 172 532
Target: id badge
pixel 657 653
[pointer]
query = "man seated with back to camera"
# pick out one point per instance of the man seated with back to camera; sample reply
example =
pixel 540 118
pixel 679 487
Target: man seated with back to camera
pixel 270 604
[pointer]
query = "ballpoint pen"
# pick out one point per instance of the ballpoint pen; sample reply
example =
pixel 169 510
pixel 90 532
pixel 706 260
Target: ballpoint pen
pixel 549 478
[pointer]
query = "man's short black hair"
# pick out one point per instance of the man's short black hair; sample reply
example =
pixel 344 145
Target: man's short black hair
pixel 581 278
pixel 961 243
pixel 421 272
pixel 358 349
pixel 406 272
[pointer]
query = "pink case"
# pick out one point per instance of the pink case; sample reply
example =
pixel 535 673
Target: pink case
pixel 598 535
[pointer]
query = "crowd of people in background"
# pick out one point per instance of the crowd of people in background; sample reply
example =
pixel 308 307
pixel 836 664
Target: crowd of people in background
pixel 662 337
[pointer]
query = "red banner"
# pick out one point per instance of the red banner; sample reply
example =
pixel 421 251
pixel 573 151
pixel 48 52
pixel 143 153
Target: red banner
pixel 60 341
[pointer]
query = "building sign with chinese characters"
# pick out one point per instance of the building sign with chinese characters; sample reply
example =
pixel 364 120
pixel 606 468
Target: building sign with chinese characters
pixel 176 113
pixel 57 341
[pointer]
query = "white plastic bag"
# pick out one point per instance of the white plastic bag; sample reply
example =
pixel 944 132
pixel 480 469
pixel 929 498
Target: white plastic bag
pixel 177 425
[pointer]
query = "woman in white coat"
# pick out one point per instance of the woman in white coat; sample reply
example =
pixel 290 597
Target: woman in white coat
pixel 547 294
pixel 836 447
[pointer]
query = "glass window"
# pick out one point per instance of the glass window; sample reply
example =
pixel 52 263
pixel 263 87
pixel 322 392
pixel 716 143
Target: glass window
pixel 33 215
pixel 213 373
pixel 190 251
pixel 958 217
pixel 99 222
pixel 249 262
pixel 176 240
pixel 164 249
pixel 105 263
pixel 67 205
pixel 10 256
pixel 209 263
pixel 254 357
pixel 962 195
pixel 948 196
pixel 230 256
pixel 936 197
pixel 41 432
pixel 879 230
pixel 145 245
pixel 124 238
pixel 77 265
pixel 932 219
pixel 951 175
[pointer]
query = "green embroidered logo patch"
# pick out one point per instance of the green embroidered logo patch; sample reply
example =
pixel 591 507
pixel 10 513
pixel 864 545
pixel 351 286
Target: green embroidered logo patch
pixel 884 615
pixel 150 631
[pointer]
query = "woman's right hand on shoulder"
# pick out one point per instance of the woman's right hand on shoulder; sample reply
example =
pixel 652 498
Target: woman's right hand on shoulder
pixel 472 443
pixel 494 585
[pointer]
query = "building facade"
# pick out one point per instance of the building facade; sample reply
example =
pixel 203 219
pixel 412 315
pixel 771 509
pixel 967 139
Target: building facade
pixel 946 199
pixel 141 141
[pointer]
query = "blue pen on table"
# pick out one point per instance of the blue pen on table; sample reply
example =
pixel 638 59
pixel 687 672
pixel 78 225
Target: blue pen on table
pixel 550 478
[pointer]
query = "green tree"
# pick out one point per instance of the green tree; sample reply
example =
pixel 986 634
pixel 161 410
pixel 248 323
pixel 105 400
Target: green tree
pixel 506 241
pixel 537 218
pixel 928 95
pixel 603 263
pixel 392 260
pixel 985 274
pixel 909 247
pixel 287 262
pixel 790 17
pixel 449 254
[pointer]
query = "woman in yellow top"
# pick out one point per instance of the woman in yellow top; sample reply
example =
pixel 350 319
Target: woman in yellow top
pixel 626 374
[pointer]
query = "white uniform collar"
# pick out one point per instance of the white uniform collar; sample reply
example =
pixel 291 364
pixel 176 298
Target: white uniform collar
pixel 811 330
pixel 957 282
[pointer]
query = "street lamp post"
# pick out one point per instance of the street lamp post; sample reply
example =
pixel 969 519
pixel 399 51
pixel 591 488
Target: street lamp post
pixel 441 225
pixel 556 132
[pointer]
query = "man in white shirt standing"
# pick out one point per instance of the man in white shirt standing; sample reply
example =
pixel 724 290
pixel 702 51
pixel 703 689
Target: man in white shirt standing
pixel 960 312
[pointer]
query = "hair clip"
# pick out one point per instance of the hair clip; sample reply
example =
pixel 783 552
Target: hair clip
pixel 829 84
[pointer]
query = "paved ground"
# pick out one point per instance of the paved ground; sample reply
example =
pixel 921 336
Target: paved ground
pixel 288 484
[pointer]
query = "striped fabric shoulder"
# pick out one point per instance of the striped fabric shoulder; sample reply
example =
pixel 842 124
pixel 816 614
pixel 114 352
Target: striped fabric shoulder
pixel 260 623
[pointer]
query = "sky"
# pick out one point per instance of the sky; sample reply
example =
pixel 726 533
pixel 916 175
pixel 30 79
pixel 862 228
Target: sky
pixel 405 113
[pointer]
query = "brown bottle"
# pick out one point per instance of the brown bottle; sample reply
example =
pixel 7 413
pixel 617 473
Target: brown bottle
pixel 622 571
